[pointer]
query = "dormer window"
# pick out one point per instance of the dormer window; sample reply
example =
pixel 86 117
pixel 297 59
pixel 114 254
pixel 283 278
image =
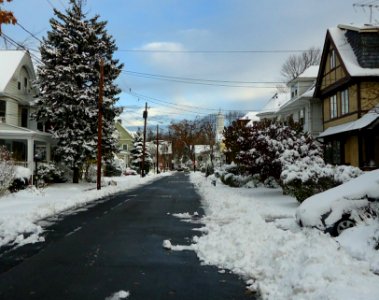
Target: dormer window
pixel 294 91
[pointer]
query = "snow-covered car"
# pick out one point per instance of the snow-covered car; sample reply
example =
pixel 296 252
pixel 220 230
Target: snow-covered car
pixel 342 207
pixel 129 172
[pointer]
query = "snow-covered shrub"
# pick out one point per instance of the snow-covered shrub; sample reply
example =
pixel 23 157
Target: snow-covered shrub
pixel 209 170
pixel 7 170
pixel 310 175
pixel 50 173
pixel 259 148
pixel 114 168
pixel 343 174
pixel 21 179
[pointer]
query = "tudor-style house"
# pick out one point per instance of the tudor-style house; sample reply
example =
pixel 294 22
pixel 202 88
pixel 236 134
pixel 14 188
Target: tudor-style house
pixel 348 86
pixel 18 132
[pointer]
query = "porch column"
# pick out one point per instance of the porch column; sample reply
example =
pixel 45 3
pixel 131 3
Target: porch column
pixel 48 152
pixel 30 157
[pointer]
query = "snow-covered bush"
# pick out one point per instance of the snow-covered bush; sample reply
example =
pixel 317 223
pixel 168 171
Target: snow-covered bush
pixel 259 148
pixel 7 170
pixel 50 173
pixel 21 179
pixel 310 175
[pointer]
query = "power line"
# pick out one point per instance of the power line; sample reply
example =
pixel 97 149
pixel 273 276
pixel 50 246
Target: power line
pixel 182 107
pixel 200 79
pixel 279 51
pixel 18 45
pixel 30 33
pixel 197 82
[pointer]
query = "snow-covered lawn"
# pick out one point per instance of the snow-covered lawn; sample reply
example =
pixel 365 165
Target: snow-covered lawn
pixel 252 232
pixel 20 212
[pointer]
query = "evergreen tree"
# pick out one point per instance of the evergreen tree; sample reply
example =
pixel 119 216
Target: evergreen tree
pixel 136 153
pixel 68 80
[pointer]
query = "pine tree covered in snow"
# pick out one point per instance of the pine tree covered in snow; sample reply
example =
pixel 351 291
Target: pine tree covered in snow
pixel 68 80
pixel 137 154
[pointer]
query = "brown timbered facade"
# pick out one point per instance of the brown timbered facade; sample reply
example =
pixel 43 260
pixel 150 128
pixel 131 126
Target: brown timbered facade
pixel 348 86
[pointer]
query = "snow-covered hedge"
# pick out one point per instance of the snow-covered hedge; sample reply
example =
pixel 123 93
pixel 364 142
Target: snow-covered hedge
pixel 50 173
pixel 310 175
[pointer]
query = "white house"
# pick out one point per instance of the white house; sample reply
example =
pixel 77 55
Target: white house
pixel 297 102
pixel 18 132
pixel 302 106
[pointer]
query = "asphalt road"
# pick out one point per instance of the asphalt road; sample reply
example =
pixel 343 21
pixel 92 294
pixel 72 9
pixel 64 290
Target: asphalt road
pixel 117 245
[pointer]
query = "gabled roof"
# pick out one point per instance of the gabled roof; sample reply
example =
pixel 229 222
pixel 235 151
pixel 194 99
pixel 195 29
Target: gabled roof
pixel 299 100
pixel 10 61
pixel 345 48
pixel 123 129
pixel 349 41
pixel 274 104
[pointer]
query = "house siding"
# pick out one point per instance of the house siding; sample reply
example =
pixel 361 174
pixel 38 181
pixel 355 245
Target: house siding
pixel 330 75
pixel 352 151
pixel 369 95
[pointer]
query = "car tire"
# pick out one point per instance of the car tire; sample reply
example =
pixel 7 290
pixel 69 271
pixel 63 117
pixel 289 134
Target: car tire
pixel 342 225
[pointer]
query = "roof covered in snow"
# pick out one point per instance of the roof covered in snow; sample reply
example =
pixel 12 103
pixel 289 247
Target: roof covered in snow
pixel 9 62
pixel 311 72
pixel 251 116
pixel 346 51
pixel 361 123
pixel 274 104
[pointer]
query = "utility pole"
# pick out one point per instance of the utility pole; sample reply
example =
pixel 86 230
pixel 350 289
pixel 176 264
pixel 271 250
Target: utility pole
pixel 157 149
pixel 369 6
pixel 144 141
pixel 100 123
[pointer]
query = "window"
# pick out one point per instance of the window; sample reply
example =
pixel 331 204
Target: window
pixel 333 152
pixel 344 102
pixel 125 147
pixel 333 59
pixel 19 85
pixel 24 117
pixel 25 82
pixel 293 91
pixel 3 106
pixel 333 106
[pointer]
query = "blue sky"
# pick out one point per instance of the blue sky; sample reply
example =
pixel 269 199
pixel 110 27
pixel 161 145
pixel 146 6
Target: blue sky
pixel 198 25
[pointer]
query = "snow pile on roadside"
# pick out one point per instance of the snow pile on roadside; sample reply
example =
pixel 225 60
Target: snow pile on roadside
pixel 119 295
pixel 279 264
pixel 19 212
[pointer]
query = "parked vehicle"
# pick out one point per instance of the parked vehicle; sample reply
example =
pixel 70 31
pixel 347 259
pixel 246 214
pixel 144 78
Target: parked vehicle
pixel 342 207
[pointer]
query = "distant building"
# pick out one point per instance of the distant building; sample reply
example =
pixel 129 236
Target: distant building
pixel 125 143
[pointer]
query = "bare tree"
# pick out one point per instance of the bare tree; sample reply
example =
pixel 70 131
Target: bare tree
pixel 296 64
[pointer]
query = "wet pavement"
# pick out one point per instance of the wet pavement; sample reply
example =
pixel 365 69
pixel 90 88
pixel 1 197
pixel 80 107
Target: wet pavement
pixel 116 244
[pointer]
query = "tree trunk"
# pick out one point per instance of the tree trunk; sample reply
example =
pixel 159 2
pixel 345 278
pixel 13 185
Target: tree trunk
pixel 75 176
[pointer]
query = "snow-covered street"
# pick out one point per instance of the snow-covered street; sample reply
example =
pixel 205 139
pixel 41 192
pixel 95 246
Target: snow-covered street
pixel 253 233
pixel 249 232
pixel 20 212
